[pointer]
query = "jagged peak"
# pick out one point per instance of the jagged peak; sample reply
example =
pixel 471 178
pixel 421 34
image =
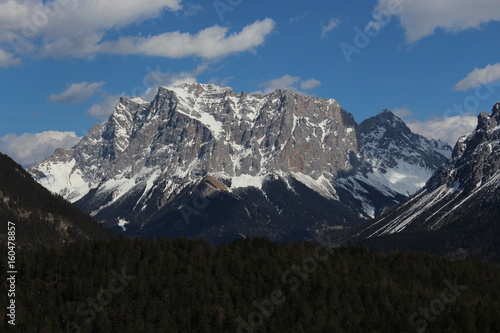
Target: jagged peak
pixel 197 89
pixel 281 91
pixel 389 115
pixel 496 112
pixel 124 106
pixel 385 117
pixel 488 122
pixel 131 100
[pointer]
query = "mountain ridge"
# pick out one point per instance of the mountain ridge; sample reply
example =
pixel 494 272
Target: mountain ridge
pixel 153 151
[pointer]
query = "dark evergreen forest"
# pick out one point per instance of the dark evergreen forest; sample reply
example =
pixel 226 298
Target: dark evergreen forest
pixel 181 285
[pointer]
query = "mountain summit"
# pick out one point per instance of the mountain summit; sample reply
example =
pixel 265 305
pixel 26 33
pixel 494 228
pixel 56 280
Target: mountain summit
pixel 393 160
pixel 202 160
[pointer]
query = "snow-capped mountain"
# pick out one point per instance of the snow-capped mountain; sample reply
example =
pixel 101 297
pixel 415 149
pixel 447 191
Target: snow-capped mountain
pixel 203 160
pixel 394 161
pixel 463 194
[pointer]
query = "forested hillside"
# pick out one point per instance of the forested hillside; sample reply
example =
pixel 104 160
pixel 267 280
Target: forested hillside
pixel 249 286
pixel 40 217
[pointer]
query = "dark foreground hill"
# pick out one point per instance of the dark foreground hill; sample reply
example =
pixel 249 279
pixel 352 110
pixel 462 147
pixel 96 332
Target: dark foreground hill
pixel 249 286
pixel 40 217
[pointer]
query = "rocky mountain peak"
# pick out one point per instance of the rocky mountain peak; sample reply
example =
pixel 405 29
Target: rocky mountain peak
pixel 476 157
pixel 149 155
pixel 389 144
pixel 487 131
pixel 390 118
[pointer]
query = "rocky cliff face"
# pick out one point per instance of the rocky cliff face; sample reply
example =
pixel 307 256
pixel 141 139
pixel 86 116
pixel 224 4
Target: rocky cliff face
pixel 151 165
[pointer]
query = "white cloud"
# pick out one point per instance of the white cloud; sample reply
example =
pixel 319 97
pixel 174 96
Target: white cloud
pixel 423 17
pixel 191 9
pixel 167 79
pixel 212 42
pixel 8 59
pixel 447 129
pixel 79 45
pixel 284 82
pixel 332 24
pixel 309 84
pixel 64 18
pixel 287 82
pixel 105 108
pixel 478 77
pixel 302 17
pixel 76 92
pixel 29 148
pixel 61 28
pixel 402 112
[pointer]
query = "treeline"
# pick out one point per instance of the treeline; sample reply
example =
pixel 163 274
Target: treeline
pixel 41 218
pixel 255 285
pixel 475 234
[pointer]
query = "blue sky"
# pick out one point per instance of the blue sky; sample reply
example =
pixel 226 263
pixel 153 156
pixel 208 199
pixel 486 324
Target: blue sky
pixel 65 63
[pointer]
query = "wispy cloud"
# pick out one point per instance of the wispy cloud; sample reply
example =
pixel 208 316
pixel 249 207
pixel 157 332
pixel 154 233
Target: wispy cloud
pixel 209 43
pixel 157 78
pixel 332 24
pixel 191 9
pixel 76 93
pixel 8 59
pixel 105 107
pixel 478 77
pixel 402 112
pixel 302 17
pixel 309 84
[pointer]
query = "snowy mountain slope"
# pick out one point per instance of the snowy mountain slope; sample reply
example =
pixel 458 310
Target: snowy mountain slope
pixel 466 188
pixel 145 163
pixel 397 162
